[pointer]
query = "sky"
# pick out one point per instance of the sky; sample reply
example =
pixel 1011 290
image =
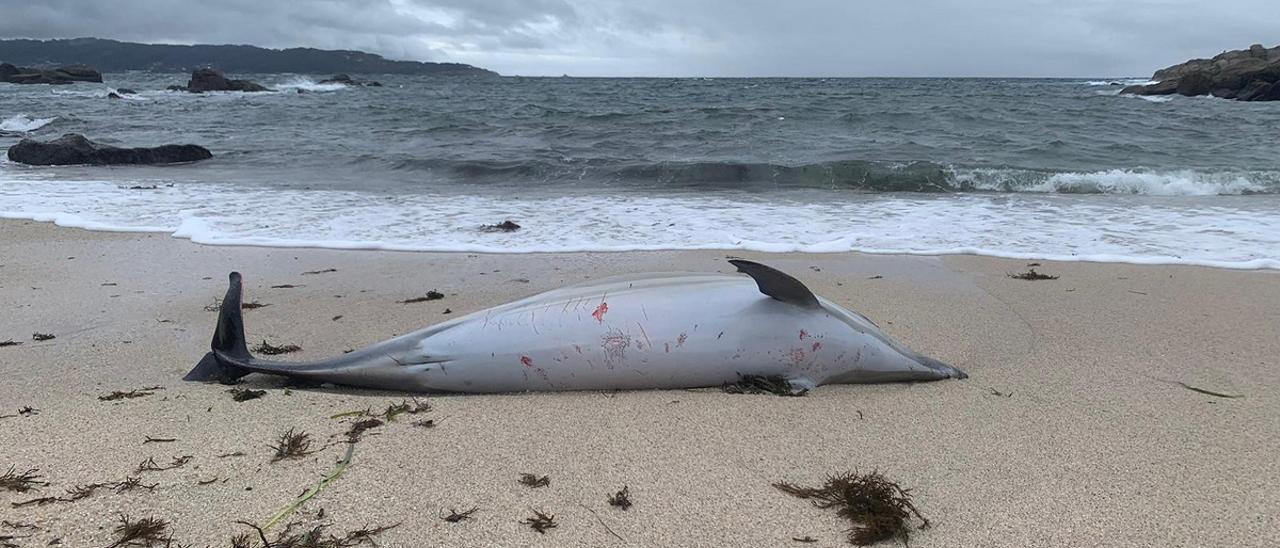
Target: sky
pixel 1030 38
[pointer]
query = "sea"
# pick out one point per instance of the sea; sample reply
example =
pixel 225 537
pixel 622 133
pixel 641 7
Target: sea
pixel 1058 169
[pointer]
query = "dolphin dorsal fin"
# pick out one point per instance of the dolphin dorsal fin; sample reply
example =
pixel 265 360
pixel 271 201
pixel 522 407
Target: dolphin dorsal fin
pixel 777 284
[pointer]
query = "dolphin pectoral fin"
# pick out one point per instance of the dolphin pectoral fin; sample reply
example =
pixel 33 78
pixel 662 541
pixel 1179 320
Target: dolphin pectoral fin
pixel 777 284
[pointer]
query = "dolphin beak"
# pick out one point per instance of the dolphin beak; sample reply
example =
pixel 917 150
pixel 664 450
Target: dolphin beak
pixel 941 367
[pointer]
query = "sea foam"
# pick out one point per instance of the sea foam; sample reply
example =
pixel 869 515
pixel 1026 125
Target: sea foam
pixel 1024 226
pixel 22 123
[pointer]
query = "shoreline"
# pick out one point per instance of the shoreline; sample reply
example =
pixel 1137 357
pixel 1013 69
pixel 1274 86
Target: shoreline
pixel 1071 430
pixel 181 234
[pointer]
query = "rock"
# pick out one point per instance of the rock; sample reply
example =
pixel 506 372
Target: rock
pixel 207 79
pixel 59 76
pixel 73 149
pixel 1193 84
pixel 346 79
pixel 126 91
pixel 176 88
pixel 1243 75
pixel 114 95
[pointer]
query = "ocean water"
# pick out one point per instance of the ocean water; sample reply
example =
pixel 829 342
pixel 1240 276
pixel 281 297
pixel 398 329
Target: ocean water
pixel 1036 169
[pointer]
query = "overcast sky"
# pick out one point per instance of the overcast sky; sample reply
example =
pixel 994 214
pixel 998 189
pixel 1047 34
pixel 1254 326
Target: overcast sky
pixel 696 38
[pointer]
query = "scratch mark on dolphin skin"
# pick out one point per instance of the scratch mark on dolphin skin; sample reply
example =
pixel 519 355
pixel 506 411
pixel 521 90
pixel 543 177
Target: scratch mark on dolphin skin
pixel 533 321
pixel 816 347
pixel 804 334
pixel 600 312
pixel 645 312
pixel 578 348
pixel 646 336
pixel 527 361
pixel 668 345
pixel 615 345
pixel 681 339
pixel 720 335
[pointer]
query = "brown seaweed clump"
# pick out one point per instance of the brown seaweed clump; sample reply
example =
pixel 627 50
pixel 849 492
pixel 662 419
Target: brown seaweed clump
pixel 878 509
pixel 534 480
pixel 269 349
pixel 21 482
pixel 315 537
pixel 456 516
pixel 135 393
pixel 357 430
pixel 541 521
pixel 432 295
pixel 292 445
pixel 762 384
pixel 147 531
pixel 1032 275
pixel 621 499
pixel 246 394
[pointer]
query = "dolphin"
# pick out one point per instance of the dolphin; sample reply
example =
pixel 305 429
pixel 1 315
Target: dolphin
pixel 671 330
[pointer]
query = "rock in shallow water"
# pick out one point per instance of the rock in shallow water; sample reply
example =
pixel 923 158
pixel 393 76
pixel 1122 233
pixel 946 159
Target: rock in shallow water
pixel 61 75
pixel 207 79
pixel 75 149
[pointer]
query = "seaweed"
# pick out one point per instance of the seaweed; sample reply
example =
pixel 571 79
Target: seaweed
pixel 763 384
pixel 216 306
pixel 150 464
pixel 150 439
pixel 36 502
pixel 504 226
pixel 540 521
pixel 10 342
pixel 456 516
pixel 135 393
pixel 292 445
pixel 28 411
pixel 432 295
pixel 234 454
pixel 39 337
pixel 534 480
pixel 325 271
pixel 253 305
pixel 314 537
pixel 21 482
pixel 621 499
pixel 877 508
pixel 425 423
pixel 1209 392
pixel 286 286
pixel 360 427
pixel 338 317
pixel 132 483
pixel 147 531
pixel 805 539
pixel 298 502
pixel 87 490
pixel 273 350
pixel 411 407
pixel 245 394
pixel 1032 275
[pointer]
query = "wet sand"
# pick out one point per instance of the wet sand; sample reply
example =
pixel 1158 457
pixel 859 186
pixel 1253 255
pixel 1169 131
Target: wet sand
pixel 1072 430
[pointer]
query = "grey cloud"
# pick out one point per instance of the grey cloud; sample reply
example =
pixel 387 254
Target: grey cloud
pixel 712 37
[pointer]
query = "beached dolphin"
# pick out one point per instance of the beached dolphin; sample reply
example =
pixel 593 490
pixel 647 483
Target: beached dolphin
pixel 681 330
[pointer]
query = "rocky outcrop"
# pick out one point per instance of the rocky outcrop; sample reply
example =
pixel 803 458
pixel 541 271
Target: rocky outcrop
pixel 75 149
pixel 1245 75
pixel 59 76
pixel 207 79
pixel 346 79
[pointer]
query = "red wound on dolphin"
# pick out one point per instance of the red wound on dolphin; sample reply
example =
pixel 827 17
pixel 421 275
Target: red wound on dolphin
pixel 804 334
pixel 527 361
pixel 600 311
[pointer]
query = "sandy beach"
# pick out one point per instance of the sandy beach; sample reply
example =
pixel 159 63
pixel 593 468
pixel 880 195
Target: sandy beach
pixel 1073 429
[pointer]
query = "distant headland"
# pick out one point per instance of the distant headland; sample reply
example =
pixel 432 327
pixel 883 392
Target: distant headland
pixel 116 56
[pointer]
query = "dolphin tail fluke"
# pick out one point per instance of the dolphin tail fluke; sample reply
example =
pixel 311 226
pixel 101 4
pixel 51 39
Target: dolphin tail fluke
pixel 228 349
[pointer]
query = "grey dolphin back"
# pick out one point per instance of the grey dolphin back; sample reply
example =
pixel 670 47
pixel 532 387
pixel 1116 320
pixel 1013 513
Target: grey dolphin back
pixel 777 284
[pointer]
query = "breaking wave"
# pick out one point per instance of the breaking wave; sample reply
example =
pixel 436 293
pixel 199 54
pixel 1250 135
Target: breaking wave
pixel 22 123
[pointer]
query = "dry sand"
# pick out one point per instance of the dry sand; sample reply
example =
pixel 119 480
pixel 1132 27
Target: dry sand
pixel 1072 430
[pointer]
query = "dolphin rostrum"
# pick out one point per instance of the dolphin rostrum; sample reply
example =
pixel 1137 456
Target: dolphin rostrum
pixel 681 330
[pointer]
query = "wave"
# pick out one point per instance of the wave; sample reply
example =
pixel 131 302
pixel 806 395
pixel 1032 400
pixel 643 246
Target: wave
pixel 862 175
pixel 22 123
pixel 306 84
pixel 1029 226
